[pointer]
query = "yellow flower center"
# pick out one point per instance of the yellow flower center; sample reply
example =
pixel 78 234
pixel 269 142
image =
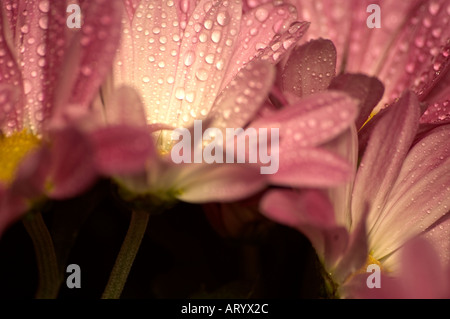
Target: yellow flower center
pixel 12 150
pixel 370 261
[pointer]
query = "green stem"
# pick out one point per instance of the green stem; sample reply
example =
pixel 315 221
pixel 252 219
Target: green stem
pixel 127 254
pixel 49 276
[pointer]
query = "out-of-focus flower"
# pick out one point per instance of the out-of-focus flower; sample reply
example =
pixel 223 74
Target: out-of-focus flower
pixel 49 74
pixel 207 61
pixel 401 191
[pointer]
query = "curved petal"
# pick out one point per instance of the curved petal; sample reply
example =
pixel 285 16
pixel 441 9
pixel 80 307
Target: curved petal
pixel 122 149
pixel 310 68
pixel 312 214
pixel 387 148
pixel 367 90
pixel 221 183
pixel 314 120
pixel 72 169
pixel 300 167
pixel 243 96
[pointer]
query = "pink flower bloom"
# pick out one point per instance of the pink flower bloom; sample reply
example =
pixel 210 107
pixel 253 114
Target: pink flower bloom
pixel 207 60
pixel 401 191
pixel 47 72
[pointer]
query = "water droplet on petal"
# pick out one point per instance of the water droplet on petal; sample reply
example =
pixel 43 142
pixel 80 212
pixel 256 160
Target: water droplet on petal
pixel 215 36
pixel 179 93
pixel 223 18
pixel 261 14
pixel 201 74
pixel 44 6
pixel 189 58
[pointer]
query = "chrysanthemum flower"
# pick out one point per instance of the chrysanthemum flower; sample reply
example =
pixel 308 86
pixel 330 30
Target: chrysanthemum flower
pixel 207 61
pixel 401 191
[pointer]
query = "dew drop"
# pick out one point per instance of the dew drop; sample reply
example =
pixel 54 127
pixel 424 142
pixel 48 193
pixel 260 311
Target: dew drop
pixel 190 97
pixel 179 93
pixel 215 36
pixel 223 18
pixel 189 58
pixel 201 74
pixel 43 23
pixel 44 6
pixel 209 58
pixel 261 14
pixel 208 24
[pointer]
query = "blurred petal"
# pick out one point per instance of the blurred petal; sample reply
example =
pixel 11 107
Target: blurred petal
pixel 221 183
pixel 32 173
pixel 122 149
pixel 313 120
pixel 300 167
pixel 11 208
pixel 312 214
pixel 126 108
pixel 72 166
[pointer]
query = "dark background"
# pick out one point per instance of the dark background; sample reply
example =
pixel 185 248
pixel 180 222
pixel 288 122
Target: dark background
pixel 181 256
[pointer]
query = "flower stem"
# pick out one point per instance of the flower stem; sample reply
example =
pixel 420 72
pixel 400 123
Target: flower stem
pixel 127 254
pixel 49 276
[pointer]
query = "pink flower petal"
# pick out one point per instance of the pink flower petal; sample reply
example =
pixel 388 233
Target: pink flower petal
pixel 438 236
pixel 221 183
pixel 71 162
pixel 203 60
pixel 258 27
pixel 313 120
pixel 99 39
pixel 122 149
pixel 11 208
pixel 300 167
pixel 367 90
pixel 10 106
pixel 141 62
pixel 356 253
pixel 420 195
pixel 310 68
pixel 312 214
pixel 346 146
pixel 130 6
pixel 331 19
pixel 419 56
pixel 243 96
pixel 282 43
pixel 32 173
pixel 125 107
pixel 387 148
pixel 40 40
